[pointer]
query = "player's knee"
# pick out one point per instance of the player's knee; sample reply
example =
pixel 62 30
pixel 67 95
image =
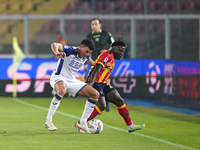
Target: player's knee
pixel 102 106
pixel 60 88
pixel 61 92
pixel 119 102
pixel 95 94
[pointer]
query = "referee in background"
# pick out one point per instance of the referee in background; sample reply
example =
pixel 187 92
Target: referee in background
pixel 102 40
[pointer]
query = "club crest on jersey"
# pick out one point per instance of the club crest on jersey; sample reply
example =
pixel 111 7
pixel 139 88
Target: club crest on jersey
pixel 96 39
pixel 66 47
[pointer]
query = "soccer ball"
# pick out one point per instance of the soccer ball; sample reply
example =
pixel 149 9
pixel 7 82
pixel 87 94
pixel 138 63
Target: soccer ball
pixel 95 126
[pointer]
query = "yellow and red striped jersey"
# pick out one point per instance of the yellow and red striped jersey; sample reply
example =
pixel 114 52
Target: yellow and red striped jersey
pixel 107 60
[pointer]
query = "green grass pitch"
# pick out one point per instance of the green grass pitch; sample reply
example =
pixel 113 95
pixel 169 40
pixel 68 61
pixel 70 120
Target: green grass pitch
pixel 22 128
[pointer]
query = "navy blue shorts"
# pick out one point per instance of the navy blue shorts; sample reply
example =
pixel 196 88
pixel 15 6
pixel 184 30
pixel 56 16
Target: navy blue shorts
pixel 103 88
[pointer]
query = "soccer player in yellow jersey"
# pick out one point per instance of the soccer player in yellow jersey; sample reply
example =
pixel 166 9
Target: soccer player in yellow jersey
pixel 97 78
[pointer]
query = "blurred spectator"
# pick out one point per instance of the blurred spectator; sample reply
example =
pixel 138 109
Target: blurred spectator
pixel 60 39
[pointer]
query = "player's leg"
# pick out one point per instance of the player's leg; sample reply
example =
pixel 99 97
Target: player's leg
pixel 89 92
pixel 107 103
pixel 100 106
pixel 93 96
pixel 60 92
pixel 107 106
pixel 114 97
pixel 52 109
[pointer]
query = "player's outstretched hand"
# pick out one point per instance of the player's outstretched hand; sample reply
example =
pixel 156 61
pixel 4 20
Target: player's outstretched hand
pixel 60 55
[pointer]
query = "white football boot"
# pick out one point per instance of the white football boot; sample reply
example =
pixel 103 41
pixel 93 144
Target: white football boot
pixel 80 131
pixel 49 125
pixel 83 127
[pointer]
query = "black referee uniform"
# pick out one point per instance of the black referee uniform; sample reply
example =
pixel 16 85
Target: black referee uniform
pixel 102 40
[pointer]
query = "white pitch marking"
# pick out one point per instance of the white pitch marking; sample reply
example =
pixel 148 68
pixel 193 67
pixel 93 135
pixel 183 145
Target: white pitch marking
pixel 119 129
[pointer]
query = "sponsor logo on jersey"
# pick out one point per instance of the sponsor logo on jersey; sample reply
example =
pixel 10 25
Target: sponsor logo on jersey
pixel 66 47
pixel 105 60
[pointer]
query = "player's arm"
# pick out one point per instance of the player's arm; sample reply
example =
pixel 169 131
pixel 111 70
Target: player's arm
pixel 108 81
pixel 110 41
pixel 103 50
pixel 57 49
pixel 95 73
pixel 101 62
pixel 91 62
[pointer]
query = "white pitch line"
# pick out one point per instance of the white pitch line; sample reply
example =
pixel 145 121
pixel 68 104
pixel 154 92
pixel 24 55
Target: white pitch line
pixel 119 129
